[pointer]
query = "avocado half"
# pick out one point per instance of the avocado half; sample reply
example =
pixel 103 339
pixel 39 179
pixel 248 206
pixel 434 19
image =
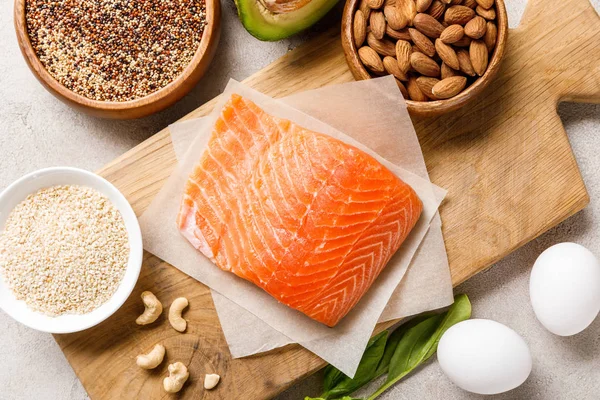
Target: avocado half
pixel 277 19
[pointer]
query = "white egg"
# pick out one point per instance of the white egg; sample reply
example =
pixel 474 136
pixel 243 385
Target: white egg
pixel 565 288
pixel 484 356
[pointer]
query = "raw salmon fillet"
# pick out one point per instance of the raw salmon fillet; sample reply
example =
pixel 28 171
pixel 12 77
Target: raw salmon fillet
pixel 306 217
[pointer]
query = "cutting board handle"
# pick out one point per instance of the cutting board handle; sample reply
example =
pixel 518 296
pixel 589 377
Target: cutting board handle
pixel 561 40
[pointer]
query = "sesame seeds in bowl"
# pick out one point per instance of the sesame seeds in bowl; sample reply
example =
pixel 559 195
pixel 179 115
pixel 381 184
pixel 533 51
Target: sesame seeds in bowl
pixel 70 250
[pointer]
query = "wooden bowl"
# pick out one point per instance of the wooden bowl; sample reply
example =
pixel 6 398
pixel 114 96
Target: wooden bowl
pixel 142 106
pixel 437 107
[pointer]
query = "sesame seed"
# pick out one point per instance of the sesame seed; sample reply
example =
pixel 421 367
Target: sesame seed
pixel 115 50
pixel 64 250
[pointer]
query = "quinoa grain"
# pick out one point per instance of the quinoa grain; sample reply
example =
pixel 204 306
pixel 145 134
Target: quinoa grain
pixel 64 250
pixel 115 50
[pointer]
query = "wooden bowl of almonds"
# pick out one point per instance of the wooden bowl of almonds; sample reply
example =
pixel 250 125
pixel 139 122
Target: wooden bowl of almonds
pixel 121 59
pixel 443 53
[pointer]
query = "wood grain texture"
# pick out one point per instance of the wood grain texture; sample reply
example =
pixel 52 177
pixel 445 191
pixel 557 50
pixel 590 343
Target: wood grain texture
pixel 137 108
pixel 506 161
pixel 436 107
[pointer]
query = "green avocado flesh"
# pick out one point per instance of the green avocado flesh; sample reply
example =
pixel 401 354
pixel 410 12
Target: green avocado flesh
pixel 266 24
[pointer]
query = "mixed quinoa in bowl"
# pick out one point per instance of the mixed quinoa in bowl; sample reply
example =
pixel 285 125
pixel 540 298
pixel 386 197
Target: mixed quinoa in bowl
pixel 117 58
pixel 115 50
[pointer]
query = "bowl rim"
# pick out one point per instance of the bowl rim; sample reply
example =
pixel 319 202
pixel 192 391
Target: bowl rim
pixel 436 107
pixel 134 263
pixel 211 34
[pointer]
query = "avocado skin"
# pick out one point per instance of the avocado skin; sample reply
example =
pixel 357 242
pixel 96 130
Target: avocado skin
pixel 272 27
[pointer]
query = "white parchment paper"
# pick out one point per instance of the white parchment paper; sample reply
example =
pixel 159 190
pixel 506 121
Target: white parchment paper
pixel 428 273
pixel 341 346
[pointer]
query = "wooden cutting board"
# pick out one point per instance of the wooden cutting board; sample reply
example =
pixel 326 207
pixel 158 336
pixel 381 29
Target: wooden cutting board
pixel 505 159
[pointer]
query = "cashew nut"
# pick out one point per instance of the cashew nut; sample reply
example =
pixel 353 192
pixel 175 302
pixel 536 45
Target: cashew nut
pixel 152 311
pixel 210 381
pixel 175 318
pixel 152 359
pixel 178 374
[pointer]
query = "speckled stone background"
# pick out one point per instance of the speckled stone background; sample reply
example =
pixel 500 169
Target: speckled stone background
pixel 36 131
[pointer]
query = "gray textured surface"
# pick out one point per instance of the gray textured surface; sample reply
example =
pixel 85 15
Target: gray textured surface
pixel 38 131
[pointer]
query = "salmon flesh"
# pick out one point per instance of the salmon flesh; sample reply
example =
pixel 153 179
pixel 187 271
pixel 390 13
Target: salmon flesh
pixel 304 216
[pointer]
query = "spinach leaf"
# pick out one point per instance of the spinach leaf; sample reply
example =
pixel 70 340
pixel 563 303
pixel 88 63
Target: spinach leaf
pixel 407 354
pixel 420 342
pixel 343 398
pixel 332 377
pixel 397 354
pixel 365 372
pixel 392 343
pixel 390 347
pixel 459 311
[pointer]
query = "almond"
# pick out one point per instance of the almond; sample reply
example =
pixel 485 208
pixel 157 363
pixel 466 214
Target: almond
pixel 366 10
pixel 390 64
pixel 401 34
pixel 425 84
pixel 413 90
pixel 455 2
pixel 375 4
pixel 371 59
pixel 470 3
pixel 487 4
pixel 476 27
pixel 479 56
pixel 402 89
pixel 464 62
pixel 423 5
pixel 422 42
pixel 403 52
pixel 377 23
pixel 424 65
pixel 436 9
pixel 395 19
pixel 359 28
pixel 449 87
pixel 465 41
pixel 384 47
pixel 447 54
pixel 491 34
pixel 458 15
pixel 428 25
pixel 446 1
pixel 415 49
pixel 408 8
pixel 446 71
pixel 487 14
pixel 452 34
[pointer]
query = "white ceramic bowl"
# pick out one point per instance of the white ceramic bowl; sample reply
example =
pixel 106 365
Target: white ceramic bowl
pixel 67 323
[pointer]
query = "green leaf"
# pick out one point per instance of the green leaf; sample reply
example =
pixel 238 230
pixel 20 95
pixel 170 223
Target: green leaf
pixel 333 376
pixel 459 311
pixel 420 342
pixel 365 371
pixel 409 352
pixel 392 343
pixel 390 347
pixel 343 398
